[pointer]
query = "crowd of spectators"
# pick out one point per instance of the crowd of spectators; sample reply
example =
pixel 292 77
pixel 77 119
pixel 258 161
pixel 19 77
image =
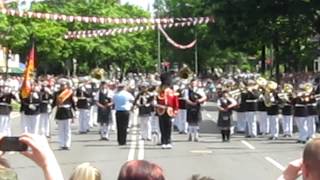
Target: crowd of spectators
pixel 40 152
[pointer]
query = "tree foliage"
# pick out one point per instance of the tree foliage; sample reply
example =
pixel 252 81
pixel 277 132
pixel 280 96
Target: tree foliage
pixel 245 29
pixel 133 51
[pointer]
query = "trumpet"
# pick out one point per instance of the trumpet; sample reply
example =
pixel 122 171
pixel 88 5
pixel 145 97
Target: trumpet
pixel 284 97
pixel 235 93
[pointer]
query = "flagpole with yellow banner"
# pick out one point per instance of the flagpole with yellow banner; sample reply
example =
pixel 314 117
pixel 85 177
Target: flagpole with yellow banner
pixel 28 73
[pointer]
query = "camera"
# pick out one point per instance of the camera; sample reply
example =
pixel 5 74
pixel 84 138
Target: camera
pixel 12 144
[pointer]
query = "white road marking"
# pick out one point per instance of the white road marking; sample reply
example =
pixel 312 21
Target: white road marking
pixel 141 150
pixel 201 152
pixel 133 146
pixel 275 163
pixel 248 145
pixel 134 138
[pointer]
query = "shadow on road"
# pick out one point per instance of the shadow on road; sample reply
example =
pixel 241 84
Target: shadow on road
pixel 208 126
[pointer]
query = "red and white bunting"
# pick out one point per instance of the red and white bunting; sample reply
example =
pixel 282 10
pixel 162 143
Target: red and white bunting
pixel 125 30
pixel 175 44
pixel 101 20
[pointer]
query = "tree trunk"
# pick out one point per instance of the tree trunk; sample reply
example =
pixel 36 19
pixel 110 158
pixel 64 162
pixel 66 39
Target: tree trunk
pixel 263 59
pixel 276 56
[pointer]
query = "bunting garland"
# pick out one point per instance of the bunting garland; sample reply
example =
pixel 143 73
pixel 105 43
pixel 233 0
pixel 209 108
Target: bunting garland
pixel 148 24
pixel 172 42
pixel 98 20
pixel 116 31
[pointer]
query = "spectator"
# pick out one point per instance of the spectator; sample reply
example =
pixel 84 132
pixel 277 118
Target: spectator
pixel 86 171
pixel 140 170
pixel 198 177
pixel 308 167
pixel 5 172
pixel 42 155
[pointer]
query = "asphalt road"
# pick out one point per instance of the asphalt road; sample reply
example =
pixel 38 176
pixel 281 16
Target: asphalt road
pixel 242 158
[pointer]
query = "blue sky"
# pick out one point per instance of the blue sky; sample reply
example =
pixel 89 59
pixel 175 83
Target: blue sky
pixel 145 4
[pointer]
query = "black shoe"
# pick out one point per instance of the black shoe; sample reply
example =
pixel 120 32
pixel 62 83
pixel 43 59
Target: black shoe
pixel 273 138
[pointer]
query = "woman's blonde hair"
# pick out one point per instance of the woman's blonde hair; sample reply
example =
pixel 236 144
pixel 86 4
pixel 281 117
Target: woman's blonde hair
pixel 86 171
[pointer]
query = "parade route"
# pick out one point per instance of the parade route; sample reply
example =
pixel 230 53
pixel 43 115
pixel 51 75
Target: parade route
pixel 242 158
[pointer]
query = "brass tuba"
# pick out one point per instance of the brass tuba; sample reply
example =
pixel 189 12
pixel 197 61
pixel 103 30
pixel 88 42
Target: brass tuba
pixel 185 72
pixel 98 73
pixel 269 98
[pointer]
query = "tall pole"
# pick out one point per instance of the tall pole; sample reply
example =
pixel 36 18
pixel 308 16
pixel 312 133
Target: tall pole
pixel 159 50
pixel 196 54
pixel 159 42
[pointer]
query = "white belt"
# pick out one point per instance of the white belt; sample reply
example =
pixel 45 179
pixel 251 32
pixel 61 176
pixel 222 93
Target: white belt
pixel 314 104
pixel 4 104
pixel 65 106
pixel 299 105
pixel 45 101
pixel 82 98
pixel 252 100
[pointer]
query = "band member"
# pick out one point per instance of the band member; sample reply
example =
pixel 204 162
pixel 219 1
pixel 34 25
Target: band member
pixel 144 101
pixel 155 127
pixel 262 115
pixel 300 116
pixel 241 113
pixel 195 97
pixel 45 107
pixel 32 110
pixel 182 114
pixel 287 118
pixel 122 100
pixel 92 90
pixel 251 108
pixel 104 103
pixel 312 116
pixel 5 109
pixel 64 102
pixel 83 105
pixel 273 114
pixel 166 107
pixel 225 105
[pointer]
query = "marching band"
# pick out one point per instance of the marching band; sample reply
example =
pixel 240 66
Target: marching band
pixel 252 104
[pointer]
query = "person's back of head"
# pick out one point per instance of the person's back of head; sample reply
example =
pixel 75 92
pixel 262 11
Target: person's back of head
pixel 311 160
pixel 198 177
pixel 142 170
pixel 6 173
pixel 85 171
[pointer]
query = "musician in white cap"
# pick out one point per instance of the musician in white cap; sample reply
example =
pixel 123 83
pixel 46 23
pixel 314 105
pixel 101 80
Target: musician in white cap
pixel 45 108
pixel 251 100
pixel 65 104
pixel 301 115
pixel 6 96
pixel 182 113
pixel 144 102
pixel 32 110
pixel 83 105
